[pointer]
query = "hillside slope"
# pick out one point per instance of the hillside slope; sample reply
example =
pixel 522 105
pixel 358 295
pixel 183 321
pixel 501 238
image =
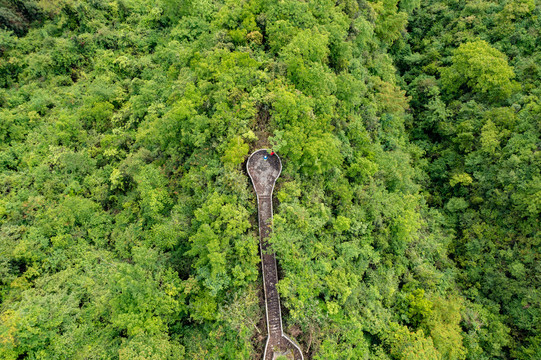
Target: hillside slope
pixel 128 225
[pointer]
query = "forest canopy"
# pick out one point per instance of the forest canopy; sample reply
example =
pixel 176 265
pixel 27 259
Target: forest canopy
pixel 406 216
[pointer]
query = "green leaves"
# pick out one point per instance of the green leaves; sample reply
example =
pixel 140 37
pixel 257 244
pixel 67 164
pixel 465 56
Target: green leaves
pixel 143 347
pixel 406 345
pixel 223 256
pixel 482 68
pixel 127 223
pixel 320 154
pixel 389 21
pixel 476 139
pixel 445 330
pixel 155 200
pixel 236 152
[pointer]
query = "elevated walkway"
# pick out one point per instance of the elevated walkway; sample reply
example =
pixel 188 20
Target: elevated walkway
pixel 264 169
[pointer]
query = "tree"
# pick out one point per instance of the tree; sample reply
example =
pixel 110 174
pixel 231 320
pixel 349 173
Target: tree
pixel 481 68
pixel 236 151
pixel 406 345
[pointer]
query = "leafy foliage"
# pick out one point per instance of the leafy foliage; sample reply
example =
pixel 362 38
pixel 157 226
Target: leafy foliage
pixel 482 68
pixel 406 225
pixel 479 133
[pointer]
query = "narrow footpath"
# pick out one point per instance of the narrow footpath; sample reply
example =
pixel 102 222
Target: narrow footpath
pixel 264 169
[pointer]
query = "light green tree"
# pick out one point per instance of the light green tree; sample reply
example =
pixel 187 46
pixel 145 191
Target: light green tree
pixel 481 68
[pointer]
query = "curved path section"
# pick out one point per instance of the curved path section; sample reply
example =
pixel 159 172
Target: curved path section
pixel 264 169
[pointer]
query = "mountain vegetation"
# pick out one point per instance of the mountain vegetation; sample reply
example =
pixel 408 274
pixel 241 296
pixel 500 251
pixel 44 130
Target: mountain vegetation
pixel 406 217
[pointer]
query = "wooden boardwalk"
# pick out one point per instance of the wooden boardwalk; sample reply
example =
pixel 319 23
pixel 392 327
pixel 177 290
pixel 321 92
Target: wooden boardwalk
pixel 264 169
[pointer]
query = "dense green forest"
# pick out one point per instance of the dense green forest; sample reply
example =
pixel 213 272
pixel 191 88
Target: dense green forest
pixel 407 214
